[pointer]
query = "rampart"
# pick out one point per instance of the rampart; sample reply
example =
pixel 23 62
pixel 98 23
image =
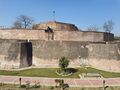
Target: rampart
pixel 56 35
pixel 14 54
pixel 101 56
pixel 41 53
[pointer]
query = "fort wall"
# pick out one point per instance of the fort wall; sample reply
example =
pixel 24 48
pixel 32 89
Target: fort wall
pixel 9 54
pixel 49 41
pixel 105 56
pixel 79 36
pixel 48 53
pixel 56 35
pixel 104 51
pixel 22 34
pixel 14 54
pixel 101 56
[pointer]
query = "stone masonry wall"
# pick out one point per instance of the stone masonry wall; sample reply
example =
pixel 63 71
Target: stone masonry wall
pixel 101 56
pixel 15 54
pixel 79 36
pixel 57 35
pixel 9 54
pixel 49 52
pixel 22 34
pixel 104 51
pixel 105 56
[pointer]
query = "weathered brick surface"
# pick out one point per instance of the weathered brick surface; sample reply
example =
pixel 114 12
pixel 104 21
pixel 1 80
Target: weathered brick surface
pixel 57 35
pixel 47 54
pixel 79 36
pixel 56 49
pixel 9 54
pixel 56 26
pixel 105 64
pixel 104 51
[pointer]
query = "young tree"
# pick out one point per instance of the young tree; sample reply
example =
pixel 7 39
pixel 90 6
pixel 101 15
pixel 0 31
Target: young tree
pixel 23 22
pixel 63 63
pixel 108 26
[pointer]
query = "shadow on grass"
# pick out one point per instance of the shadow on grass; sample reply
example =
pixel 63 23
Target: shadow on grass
pixel 73 70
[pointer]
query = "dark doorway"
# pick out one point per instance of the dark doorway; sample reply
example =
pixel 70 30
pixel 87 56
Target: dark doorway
pixel 26 54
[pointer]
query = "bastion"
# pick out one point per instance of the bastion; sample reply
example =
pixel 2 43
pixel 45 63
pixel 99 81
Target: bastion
pixel 46 43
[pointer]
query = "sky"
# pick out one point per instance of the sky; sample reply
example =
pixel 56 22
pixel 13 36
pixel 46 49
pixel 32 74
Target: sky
pixel 82 13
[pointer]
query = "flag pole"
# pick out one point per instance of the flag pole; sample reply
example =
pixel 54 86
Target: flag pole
pixel 54 16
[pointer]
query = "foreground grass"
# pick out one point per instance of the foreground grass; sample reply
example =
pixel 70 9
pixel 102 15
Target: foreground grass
pixel 16 87
pixel 50 72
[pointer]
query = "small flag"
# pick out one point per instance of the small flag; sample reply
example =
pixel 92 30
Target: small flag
pixel 53 11
pixel 53 15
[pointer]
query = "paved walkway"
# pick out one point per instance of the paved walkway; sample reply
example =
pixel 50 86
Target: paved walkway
pixel 70 82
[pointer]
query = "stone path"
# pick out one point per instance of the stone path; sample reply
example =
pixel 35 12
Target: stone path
pixel 70 82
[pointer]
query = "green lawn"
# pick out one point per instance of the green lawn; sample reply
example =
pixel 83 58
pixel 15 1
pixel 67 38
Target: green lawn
pixel 50 72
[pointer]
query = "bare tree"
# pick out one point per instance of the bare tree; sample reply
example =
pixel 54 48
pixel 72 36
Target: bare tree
pixel 108 26
pixel 23 22
pixel 93 28
pixel 17 24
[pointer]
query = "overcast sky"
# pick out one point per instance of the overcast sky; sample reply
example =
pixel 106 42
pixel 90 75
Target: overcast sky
pixel 82 13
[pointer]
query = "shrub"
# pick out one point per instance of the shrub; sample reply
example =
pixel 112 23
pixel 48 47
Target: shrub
pixel 63 63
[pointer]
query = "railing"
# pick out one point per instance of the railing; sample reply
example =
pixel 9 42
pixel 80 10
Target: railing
pixel 4 28
pixel 11 28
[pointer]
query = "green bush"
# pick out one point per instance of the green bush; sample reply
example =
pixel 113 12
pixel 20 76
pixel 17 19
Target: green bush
pixel 63 63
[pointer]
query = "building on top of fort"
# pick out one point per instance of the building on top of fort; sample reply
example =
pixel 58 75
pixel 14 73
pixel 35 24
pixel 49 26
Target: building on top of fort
pixel 54 25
